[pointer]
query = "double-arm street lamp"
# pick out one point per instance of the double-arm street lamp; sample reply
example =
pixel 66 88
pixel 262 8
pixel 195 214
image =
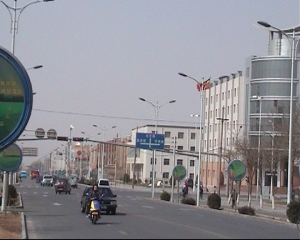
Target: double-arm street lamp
pixel 15 18
pixel 200 86
pixel 103 130
pixel 292 44
pixel 156 109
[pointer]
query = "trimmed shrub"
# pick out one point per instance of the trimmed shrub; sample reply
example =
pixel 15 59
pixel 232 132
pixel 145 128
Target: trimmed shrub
pixel 214 201
pixel 12 191
pixel 165 196
pixel 189 201
pixel 246 210
pixel 292 212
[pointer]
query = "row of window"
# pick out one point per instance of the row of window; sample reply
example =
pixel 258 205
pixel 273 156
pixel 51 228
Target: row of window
pixel 223 96
pixel 218 111
pixel 178 162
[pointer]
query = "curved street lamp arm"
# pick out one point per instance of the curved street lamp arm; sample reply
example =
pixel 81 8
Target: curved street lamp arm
pixel 11 17
pixel 184 75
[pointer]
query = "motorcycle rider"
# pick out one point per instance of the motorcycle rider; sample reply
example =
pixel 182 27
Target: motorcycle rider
pixel 93 194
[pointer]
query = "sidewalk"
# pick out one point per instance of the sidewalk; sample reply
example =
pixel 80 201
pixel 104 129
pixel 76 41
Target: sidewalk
pixel 279 213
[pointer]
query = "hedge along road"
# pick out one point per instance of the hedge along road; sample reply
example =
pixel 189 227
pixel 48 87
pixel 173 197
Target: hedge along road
pixel 138 216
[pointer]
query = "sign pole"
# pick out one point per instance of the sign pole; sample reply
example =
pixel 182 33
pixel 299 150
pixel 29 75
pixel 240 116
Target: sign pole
pixel 4 191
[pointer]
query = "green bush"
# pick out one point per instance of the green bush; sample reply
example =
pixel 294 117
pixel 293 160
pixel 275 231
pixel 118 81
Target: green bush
pixel 165 196
pixel 293 210
pixel 189 201
pixel 214 201
pixel 246 210
pixel 12 191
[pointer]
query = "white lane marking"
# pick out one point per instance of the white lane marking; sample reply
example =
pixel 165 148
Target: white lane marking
pixel 186 209
pixel 35 193
pixel 148 207
pixel 124 233
pixel 56 204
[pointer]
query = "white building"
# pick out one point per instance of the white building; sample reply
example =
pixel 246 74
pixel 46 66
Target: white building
pixel 224 99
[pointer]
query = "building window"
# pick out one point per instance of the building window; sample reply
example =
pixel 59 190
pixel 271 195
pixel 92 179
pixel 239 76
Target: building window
pixel 193 135
pixel 179 161
pixel 167 134
pixel 228 110
pixel 165 175
pixel 192 163
pixel 216 113
pixel 235 92
pixel 217 98
pixel 228 94
pixel 180 147
pixel 191 175
pixel 192 148
pixel 180 135
pixel 211 99
pixel 166 161
pixel 222 96
pixel 151 162
pixel 167 146
pixel 233 108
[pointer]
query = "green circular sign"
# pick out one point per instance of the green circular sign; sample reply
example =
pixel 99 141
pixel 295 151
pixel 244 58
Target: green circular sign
pixel 236 170
pixel 16 98
pixel 11 158
pixel 179 172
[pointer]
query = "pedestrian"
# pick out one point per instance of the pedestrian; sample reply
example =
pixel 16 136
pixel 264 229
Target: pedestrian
pixel 215 189
pixel 201 191
pixel 233 198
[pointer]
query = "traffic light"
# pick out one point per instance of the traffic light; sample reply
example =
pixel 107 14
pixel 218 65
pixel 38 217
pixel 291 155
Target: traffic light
pixel 60 138
pixel 78 139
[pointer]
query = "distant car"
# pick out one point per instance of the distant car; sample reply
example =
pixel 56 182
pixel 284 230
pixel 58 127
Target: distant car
pixel 62 185
pixel 73 181
pixel 107 204
pixel 47 180
pixel 34 174
pixel 23 174
pixel 103 182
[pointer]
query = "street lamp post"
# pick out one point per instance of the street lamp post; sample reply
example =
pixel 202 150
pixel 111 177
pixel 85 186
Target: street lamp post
pixel 222 119
pixel 156 109
pixel 200 87
pixel 70 149
pixel 259 98
pixel 15 19
pixel 102 150
pixel 272 165
pixel 267 25
pixel 194 182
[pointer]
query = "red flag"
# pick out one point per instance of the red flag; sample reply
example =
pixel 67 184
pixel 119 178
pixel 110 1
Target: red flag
pixel 204 85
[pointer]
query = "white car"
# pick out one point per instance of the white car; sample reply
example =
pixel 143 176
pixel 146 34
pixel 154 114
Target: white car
pixel 47 180
pixel 103 182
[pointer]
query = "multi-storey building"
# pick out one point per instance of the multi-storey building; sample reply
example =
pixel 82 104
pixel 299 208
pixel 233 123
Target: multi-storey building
pixel 224 99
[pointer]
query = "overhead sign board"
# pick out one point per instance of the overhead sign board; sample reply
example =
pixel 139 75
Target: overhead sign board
pixel 30 151
pixel 150 141
pixel 16 98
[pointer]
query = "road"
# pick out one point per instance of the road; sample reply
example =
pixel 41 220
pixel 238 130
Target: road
pixel 51 216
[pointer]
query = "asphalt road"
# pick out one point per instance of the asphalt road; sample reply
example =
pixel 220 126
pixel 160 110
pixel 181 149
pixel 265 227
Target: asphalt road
pixel 51 216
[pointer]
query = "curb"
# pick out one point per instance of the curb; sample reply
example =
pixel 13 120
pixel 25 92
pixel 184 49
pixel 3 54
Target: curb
pixel 24 226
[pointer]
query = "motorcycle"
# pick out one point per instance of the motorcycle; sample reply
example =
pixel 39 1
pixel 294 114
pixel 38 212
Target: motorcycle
pixel 95 210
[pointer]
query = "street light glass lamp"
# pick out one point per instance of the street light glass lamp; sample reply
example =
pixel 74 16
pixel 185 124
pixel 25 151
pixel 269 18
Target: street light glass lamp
pixel 264 24
pixel 182 74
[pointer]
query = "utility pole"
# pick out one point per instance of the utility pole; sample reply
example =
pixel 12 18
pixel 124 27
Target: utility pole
pixel 116 157
pixel 222 119
pixel 133 170
pixel 173 180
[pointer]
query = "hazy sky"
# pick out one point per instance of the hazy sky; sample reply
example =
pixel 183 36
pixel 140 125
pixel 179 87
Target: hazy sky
pixel 100 56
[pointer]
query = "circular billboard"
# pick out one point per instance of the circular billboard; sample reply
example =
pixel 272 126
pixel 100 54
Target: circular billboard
pixel 11 158
pixel 236 170
pixel 179 172
pixel 16 98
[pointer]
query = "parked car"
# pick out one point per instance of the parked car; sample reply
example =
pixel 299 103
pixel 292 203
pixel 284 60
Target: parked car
pixel 47 180
pixel 62 185
pixel 108 202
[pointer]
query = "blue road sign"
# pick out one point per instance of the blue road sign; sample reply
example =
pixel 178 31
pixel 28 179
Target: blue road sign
pixel 150 140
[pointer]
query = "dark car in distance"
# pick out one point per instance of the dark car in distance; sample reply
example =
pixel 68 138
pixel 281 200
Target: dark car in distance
pixel 62 185
pixel 108 202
